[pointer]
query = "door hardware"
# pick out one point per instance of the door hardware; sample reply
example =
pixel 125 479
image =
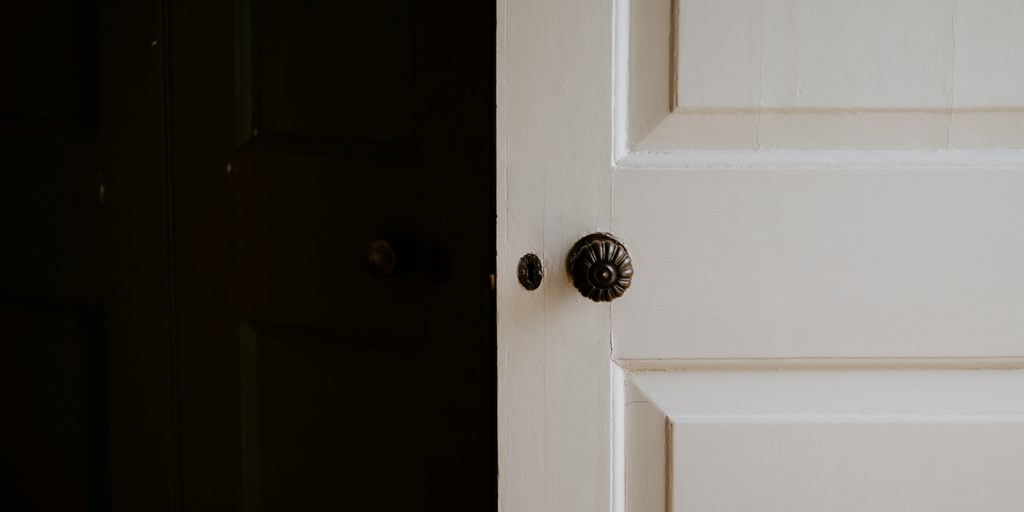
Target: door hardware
pixel 531 271
pixel 600 267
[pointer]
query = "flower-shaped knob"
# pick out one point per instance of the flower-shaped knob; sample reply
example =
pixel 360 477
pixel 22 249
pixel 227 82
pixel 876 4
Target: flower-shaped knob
pixel 600 267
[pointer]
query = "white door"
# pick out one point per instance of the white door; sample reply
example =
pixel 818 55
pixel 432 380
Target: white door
pixel 823 201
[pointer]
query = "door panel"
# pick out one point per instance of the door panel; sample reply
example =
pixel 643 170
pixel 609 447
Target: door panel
pixel 821 263
pixel 376 44
pixel 811 54
pixel 813 75
pixel 306 133
pixel 820 208
pixel 87 381
pixel 55 397
pixel 813 440
pixel 300 436
pixel 808 239
pixel 852 463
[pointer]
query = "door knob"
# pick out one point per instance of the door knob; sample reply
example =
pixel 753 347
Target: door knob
pixel 390 256
pixel 600 267
pixel 380 258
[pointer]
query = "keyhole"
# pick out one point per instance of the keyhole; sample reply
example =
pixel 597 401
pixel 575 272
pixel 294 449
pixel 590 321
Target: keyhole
pixel 531 271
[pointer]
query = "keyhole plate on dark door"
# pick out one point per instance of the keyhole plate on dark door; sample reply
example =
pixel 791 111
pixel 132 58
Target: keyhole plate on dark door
pixel 531 271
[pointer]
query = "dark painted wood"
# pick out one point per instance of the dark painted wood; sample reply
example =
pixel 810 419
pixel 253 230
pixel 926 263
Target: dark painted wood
pixel 187 317
pixel 84 258
pixel 53 390
pixel 138 288
pixel 49 47
pixel 302 132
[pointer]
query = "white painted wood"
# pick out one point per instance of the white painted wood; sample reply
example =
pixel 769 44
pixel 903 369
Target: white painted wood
pixel 645 452
pixel 847 464
pixel 870 54
pixel 821 263
pixel 829 74
pixel 988 70
pixel 554 162
pixel 764 130
pixel 863 213
pixel 860 55
pixel 719 59
pixel 873 131
pixel 825 440
pixel 749 54
pixel 643 33
pixel 819 393
pixel 985 130
pixel 824 130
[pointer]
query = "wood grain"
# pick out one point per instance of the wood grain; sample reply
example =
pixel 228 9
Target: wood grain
pixel 554 164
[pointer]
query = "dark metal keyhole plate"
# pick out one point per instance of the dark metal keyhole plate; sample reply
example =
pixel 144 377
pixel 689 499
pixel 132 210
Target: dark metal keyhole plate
pixel 531 271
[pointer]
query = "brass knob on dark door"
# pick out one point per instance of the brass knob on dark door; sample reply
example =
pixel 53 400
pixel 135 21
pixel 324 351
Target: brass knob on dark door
pixel 600 267
pixel 381 259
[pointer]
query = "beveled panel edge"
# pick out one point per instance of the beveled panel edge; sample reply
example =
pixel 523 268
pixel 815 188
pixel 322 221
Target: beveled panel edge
pixel 825 159
pixel 730 395
pixel 82 120
pixel 642 70
pixel 848 418
pixel 951 393
pixel 647 117
pixel 824 363
pixel 245 93
pixel 642 432
pixel 248 136
pixel 248 339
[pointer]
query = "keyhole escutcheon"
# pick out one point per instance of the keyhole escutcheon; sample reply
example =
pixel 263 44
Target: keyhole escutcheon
pixel 530 272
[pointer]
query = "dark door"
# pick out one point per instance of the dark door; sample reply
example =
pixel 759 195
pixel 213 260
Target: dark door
pixel 203 200
pixel 303 132
pixel 85 382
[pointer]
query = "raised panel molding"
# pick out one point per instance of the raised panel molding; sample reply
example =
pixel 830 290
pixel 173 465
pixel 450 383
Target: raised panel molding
pixel 53 384
pixel 50 68
pixel 759 77
pixel 784 463
pixel 940 440
pixel 356 105
pixel 297 404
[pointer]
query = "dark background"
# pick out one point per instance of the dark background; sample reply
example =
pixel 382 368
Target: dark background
pixel 187 321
